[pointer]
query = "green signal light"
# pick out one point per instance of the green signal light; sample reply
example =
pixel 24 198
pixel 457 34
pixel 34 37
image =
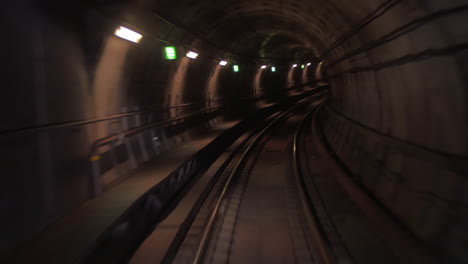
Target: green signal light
pixel 171 53
pixel 273 69
pixel 302 66
pixel 235 68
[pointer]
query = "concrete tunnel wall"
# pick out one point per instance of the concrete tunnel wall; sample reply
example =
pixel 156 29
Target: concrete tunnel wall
pixel 396 117
pixel 64 65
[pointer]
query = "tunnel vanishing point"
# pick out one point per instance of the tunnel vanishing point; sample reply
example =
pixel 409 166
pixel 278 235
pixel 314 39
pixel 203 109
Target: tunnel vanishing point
pixel 122 120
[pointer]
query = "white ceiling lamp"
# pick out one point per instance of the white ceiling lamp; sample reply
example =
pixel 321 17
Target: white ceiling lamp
pixel 263 67
pixel 294 65
pixel 223 63
pixel 192 54
pixel 308 64
pixel 128 34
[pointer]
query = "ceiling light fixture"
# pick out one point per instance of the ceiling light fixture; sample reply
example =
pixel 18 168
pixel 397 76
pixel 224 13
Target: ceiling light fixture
pixel 128 34
pixel 192 54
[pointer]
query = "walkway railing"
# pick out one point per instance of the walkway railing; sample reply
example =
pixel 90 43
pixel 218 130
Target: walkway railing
pixel 151 113
pixel 138 144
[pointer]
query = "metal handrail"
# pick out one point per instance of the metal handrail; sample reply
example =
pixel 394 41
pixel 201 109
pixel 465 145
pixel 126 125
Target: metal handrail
pixel 25 130
pixel 95 155
pixel 103 141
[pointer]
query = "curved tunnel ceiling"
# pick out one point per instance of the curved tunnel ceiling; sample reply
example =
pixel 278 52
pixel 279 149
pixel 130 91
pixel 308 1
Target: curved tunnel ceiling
pixel 266 29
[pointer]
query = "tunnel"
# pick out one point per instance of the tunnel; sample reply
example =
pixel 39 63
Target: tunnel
pixel 96 90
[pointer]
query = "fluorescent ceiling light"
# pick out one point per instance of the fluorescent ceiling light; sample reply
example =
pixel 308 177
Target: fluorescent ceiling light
pixel 294 65
pixel 128 34
pixel 273 69
pixel 308 64
pixel 192 54
pixel 263 67
pixel 223 63
pixel 235 68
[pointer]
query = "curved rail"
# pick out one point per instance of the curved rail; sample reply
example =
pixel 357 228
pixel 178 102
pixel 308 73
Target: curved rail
pixel 324 252
pixel 202 248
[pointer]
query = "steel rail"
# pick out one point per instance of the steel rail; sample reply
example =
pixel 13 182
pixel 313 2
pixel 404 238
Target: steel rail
pixel 202 248
pixel 325 254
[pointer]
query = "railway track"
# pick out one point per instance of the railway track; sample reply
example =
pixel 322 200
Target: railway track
pixel 256 211
pixel 174 214
pixel 250 202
